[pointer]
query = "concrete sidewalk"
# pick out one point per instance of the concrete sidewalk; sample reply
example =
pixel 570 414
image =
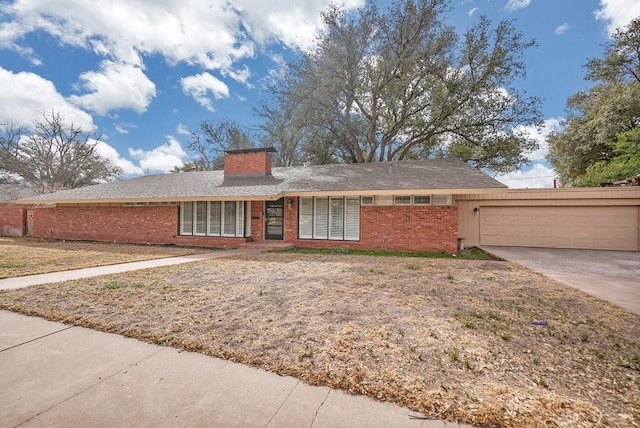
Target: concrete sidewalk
pixel 47 278
pixel 57 375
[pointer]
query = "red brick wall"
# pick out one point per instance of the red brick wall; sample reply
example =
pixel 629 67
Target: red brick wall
pixel 12 220
pixel 401 228
pixel 152 225
pixel 247 163
pixel 257 220
pixel 398 228
pixel 409 228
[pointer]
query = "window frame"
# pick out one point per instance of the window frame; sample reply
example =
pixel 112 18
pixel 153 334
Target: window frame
pixel 233 227
pixel 422 203
pixel 401 200
pixel 317 218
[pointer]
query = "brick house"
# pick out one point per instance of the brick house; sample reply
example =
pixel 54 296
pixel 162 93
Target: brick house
pixel 13 217
pixel 405 206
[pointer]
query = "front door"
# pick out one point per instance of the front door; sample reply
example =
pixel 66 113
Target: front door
pixel 274 219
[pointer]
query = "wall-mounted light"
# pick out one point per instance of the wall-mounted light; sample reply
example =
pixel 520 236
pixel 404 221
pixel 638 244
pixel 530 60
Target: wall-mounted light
pixel 290 203
pixel 476 209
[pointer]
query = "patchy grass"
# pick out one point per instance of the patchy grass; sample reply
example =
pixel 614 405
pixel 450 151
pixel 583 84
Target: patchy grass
pixel 468 254
pixel 28 256
pixel 370 325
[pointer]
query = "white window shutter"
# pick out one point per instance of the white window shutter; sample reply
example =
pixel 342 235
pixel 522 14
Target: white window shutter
pixel 215 217
pixel 321 218
pixel 305 218
pixel 336 218
pixel 352 219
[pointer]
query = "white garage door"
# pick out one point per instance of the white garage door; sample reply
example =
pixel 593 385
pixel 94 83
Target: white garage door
pixel 605 228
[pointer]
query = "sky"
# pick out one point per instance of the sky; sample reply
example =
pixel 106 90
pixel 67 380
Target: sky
pixel 142 73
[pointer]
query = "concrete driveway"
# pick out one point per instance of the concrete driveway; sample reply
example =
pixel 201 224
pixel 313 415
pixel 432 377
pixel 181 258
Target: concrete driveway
pixel 611 275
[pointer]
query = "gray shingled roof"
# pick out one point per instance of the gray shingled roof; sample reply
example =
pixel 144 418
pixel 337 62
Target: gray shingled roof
pixel 365 178
pixel 9 193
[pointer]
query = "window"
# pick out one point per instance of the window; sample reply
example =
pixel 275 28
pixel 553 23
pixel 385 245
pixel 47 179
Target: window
pixel 335 218
pixel 215 215
pixel 186 218
pixel 320 218
pixel 305 221
pixel 422 200
pixel 217 218
pixel 201 219
pixel 442 199
pixel 229 219
pixel 402 200
pixel 366 200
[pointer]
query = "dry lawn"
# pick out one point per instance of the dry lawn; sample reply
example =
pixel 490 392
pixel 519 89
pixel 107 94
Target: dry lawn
pixel 453 339
pixel 26 256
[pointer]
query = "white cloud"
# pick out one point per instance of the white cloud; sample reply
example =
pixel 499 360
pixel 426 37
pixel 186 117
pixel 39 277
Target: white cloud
pixel 239 75
pixel 472 11
pixel 115 86
pixel 203 84
pixel 561 29
pixel 537 173
pixel 26 96
pixel 539 176
pixel 514 5
pixel 214 34
pixel 183 129
pixel 617 13
pixel 540 135
pixel 108 152
pixel 163 158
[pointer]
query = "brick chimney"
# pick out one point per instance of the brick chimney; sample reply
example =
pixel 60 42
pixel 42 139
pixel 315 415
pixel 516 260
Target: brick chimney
pixel 248 162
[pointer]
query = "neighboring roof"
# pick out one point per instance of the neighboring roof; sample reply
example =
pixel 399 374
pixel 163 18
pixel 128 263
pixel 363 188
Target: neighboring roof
pixel 403 177
pixel 9 193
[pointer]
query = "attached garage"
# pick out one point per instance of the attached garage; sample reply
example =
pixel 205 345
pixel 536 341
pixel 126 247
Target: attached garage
pixel 589 218
pixel 601 228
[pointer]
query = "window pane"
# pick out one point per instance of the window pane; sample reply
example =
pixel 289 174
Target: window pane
pixel 214 218
pixel 321 218
pixel 336 230
pixel 402 200
pixel 186 218
pixel 305 218
pixel 201 218
pixel 229 221
pixel 367 200
pixel 422 200
pixel 352 220
pixel 240 219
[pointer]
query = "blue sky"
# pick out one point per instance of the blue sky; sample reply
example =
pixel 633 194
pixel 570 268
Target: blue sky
pixel 144 72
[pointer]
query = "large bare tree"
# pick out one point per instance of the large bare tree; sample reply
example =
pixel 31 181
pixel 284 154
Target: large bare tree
pixel 401 84
pixel 52 155
pixel 210 141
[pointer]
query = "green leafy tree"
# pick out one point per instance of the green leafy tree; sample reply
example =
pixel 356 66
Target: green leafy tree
pixel 52 155
pixel 625 163
pixel 595 117
pixel 400 84
pixel 209 143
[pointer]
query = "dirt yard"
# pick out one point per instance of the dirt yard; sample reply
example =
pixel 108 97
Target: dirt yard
pixel 26 256
pixel 454 339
